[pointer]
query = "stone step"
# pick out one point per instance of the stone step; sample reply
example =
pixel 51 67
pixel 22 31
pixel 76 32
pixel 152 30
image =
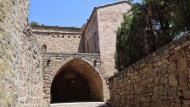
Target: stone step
pixel 80 104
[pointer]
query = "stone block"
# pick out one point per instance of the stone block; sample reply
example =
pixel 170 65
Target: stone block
pixel 182 65
pixel 177 48
pixel 185 44
pixel 173 81
pixel 186 94
pixel 186 103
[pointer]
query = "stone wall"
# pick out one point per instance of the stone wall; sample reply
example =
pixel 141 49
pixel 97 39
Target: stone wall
pixel 53 62
pixel 161 79
pixel 59 39
pixel 91 35
pixel 20 59
pixel 109 19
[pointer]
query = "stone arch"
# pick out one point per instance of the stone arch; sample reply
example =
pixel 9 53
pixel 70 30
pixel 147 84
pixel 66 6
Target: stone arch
pixel 76 72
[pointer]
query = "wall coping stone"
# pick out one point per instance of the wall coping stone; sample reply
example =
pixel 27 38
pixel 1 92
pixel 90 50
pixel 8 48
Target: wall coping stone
pixel 55 27
pixel 55 33
pixel 64 54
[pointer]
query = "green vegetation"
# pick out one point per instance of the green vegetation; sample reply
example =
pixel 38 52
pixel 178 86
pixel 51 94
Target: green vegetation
pixel 33 24
pixel 148 26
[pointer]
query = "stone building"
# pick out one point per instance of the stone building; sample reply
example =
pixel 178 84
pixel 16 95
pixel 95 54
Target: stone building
pixel 40 65
pixel 82 53
pixel 49 64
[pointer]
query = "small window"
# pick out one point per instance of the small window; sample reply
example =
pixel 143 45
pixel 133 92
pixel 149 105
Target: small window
pixel 95 63
pixel 48 62
pixel 88 47
pixel 44 48
pixel 95 39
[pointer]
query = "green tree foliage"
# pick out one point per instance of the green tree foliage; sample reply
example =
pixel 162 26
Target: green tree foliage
pixel 33 24
pixel 122 40
pixel 149 26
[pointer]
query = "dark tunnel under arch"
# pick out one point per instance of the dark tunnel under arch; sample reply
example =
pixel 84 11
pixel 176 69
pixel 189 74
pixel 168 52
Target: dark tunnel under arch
pixel 76 81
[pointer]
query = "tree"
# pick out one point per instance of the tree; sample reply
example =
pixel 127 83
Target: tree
pixel 33 24
pixel 152 24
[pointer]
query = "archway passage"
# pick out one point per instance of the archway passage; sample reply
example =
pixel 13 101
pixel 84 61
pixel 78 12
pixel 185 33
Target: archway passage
pixel 70 86
pixel 76 81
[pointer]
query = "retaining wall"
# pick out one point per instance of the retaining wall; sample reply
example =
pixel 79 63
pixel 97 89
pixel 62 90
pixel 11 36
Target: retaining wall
pixel 161 79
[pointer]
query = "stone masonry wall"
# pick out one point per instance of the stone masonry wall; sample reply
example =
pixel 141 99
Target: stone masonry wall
pixel 109 19
pixel 53 62
pixel 162 79
pixel 20 59
pixel 91 35
pixel 58 39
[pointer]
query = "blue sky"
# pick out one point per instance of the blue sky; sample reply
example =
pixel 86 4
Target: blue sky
pixel 63 12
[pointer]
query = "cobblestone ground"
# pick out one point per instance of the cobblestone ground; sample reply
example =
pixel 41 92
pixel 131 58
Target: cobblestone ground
pixel 81 104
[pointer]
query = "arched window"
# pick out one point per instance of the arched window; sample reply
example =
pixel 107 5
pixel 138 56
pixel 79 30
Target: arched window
pixel 44 48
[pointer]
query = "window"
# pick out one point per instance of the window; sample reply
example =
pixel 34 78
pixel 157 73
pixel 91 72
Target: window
pixel 87 47
pixel 44 48
pixel 48 62
pixel 95 34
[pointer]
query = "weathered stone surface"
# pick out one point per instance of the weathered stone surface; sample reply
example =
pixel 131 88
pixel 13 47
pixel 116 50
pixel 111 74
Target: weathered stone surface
pixel 59 39
pixel 186 103
pixel 21 61
pixel 57 60
pixel 158 83
pixel 21 82
pixel 160 80
pixel 97 35
pixel 173 81
pixel 100 36
pixel 186 94
pixel 107 17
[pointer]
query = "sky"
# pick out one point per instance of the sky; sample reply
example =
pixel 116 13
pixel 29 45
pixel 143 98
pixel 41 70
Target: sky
pixel 72 13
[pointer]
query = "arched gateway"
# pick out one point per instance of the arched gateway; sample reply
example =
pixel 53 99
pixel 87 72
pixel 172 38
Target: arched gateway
pixel 73 78
pixel 76 81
